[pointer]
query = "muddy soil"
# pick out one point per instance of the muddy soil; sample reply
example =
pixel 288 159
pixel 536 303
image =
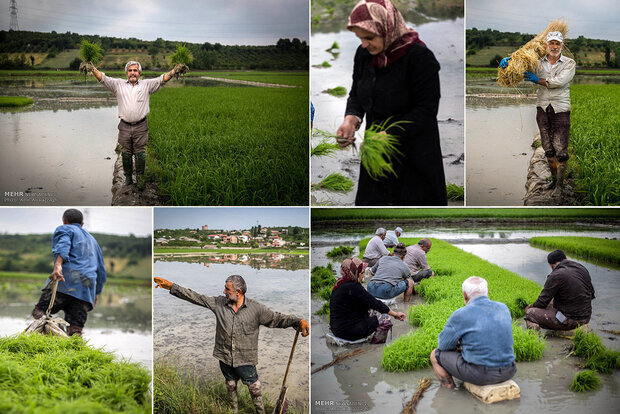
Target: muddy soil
pixel 130 195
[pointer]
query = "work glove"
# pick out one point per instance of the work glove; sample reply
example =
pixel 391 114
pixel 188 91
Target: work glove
pixel 529 76
pixel 504 62
pixel 304 327
pixel 162 283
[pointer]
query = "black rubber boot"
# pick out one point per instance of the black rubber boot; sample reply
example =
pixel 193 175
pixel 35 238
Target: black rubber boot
pixel 559 184
pixel 553 167
pixel 128 168
pixel 140 166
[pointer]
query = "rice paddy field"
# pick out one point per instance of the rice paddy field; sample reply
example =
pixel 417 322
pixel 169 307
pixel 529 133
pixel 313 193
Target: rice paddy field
pixel 230 146
pixel 14 101
pixel 595 249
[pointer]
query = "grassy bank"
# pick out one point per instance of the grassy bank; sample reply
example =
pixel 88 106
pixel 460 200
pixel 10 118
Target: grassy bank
pixel 111 281
pixel 44 374
pixel 14 101
pixel 595 155
pixel 492 214
pixel 230 146
pixel 167 250
pixel 443 296
pixel 588 248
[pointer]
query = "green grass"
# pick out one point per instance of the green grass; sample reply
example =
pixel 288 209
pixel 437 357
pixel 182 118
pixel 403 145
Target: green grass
pixel 321 277
pixel 45 374
pixel 335 182
pixel 443 296
pixel 337 91
pixel 585 381
pixel 219 146
pixel 595 143
pixel 340 251
pixel 455 192
pixel 14 101
pixel 164 250
pixel 589 248
pixel 518 214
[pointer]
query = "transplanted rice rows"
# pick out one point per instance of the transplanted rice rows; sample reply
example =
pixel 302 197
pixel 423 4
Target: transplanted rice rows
pixel 592 248
pixel 443 296
pixel 230 146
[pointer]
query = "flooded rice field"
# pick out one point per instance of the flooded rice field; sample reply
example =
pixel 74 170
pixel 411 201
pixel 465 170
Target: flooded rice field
pixel 121 322
pixel 360 384
pixel 185 333
pixel 330 109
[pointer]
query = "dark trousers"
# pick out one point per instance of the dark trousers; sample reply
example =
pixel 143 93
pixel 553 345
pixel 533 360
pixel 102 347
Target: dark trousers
pixel 133 138
pixel 76 310
pixel 546 319
pixel 554 130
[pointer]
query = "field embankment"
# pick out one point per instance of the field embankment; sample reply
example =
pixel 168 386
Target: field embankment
pixel 588 248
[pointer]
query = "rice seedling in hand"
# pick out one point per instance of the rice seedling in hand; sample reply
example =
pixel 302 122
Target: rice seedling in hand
pixel 182 55
pixel 325 147
pixel 337 91
pixel 380 149
pixel 90 52
pixel 585 381
pixel 526 58
pixel 336 182
pixel 340 251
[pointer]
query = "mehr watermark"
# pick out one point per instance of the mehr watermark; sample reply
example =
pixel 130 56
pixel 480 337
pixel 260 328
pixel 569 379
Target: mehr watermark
pixel 323 406
pixel 29 197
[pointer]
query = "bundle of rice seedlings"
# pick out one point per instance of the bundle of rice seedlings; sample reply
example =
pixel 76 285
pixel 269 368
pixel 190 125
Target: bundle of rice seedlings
pixel 378 151
pixel 526 58
pixel 604 362
pixel 336 182
pixel 339 251
pixel 325 147
pixel 585 381
pixel 182 55
pixel 90 52
pixel 587 345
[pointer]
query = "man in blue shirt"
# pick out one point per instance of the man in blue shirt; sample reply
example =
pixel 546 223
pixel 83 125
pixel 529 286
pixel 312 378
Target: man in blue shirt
pixel 484 330
pixel 79 269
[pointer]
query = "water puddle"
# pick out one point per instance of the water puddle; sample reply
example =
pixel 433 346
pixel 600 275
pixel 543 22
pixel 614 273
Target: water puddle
pixel 330 110
pixel 186 332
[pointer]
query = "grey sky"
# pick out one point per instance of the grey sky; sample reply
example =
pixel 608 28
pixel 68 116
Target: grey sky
pixel 229 22
pixel 597 19
pixel 229 218
pixel 110 220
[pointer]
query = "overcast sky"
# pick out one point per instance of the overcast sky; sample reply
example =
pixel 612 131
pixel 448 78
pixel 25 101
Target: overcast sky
pixel 229 218
pixel 597 19
pixel 229 22
pixel 110 220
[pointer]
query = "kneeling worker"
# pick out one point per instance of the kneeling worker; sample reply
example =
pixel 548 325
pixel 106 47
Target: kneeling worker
pixel 416 260
pixel 484 329
pixel 391 276
pixel 236 334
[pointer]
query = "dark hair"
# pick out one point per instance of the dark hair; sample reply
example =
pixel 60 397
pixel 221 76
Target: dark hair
pixel 424 243
pixel 73 216
pixel 400 249
pixel 555 256
pixel 237 282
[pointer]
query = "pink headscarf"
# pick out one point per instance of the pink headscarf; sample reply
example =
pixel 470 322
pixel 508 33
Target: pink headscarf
pixel 349 271
pixel 381 18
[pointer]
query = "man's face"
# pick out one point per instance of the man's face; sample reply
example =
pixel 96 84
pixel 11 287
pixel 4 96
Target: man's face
pixel 382 236
pixel 133 73
pixel 370 41
pixel 231 294
pixel 426 248
pixel 554 48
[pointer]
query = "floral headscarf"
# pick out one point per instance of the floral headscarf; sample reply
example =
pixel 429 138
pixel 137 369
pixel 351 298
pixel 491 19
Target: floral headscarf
pixel 349 271
pixel 381 18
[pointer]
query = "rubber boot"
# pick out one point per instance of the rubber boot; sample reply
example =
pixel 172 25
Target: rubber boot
pixel 128 168
pixel 257 397
pixel 75 330
pixel 140 166
pixel 231 387
pixel 553 167
pixel 37 313
pixel 559 184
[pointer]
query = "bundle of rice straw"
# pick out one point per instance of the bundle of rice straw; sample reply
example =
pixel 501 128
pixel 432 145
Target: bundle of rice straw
pixel 526 58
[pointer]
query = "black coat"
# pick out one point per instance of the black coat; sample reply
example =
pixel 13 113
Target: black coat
pixel 406 90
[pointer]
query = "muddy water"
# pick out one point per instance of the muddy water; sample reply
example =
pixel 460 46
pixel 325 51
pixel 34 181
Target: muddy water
pixel 186 332
pixel 330 110
pixel 360 384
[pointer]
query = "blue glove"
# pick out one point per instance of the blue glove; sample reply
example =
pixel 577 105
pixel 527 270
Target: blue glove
pixel 529 76
pixel 504 62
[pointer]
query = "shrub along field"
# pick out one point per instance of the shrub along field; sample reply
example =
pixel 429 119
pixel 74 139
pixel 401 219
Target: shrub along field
pixel 443 296
pixel 599 250
pixel 51 374
pixel 595 155
pixel 230 146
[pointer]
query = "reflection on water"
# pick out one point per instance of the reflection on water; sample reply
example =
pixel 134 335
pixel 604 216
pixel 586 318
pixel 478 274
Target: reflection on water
pixel 255 261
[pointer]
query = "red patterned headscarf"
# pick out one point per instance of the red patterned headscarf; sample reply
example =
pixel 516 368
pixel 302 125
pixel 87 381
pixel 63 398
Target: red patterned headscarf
pixel 349 271
pixel 381 18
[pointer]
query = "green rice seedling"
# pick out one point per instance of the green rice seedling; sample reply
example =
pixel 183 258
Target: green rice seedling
pixel 326 64
pixel 528 345
pixel 321 277
pixel 585 381
pixel 337 91
pixel 324 148
pixel 379 150
pixel 14 101
pixel 182 55
pixel 336 182
pixel 90 52
pixel 586 345
pixel 326 293
pixel 455 192
pixel 605 362
pixel 334 45
pixel 593 248
pixel 339 251
pixel 324 309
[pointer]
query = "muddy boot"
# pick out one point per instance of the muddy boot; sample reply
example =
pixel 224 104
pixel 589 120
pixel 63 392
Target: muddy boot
pixel 257 397
pixel 532 325
pixel 128 168
pixel 140 166
pixel 559 184
pixel 75 330
pixel 553 167
pixel 37 313
pixel 231 387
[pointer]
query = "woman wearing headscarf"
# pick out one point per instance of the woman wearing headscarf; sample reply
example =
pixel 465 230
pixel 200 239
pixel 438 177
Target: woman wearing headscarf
pixel 350 304
pixel 395 78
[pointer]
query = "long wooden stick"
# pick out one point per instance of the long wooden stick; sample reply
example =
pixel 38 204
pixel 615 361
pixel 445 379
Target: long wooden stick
pixel 340 358
pixel 279 408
